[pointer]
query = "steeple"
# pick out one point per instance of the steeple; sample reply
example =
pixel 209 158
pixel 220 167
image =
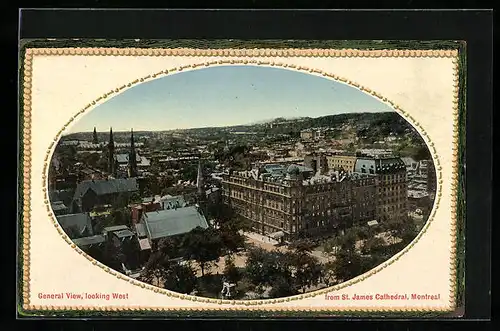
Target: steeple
pixel 94 137
pixel 111 154
pixel 132 157
pixel 199 181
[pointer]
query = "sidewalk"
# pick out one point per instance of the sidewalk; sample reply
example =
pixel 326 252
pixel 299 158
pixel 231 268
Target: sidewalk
pixel 261 238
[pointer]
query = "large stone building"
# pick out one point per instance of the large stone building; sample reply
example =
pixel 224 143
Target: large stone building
pixel 346 162
pixel 294 201
pixel 327 162
pixel 316 199
pixel 391 185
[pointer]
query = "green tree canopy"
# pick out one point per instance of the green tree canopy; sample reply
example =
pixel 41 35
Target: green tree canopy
pixel 203 246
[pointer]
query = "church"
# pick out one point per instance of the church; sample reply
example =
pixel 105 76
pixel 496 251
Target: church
pixel 123 165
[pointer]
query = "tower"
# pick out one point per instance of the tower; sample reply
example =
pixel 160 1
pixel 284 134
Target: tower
pixel 111 154
pixel 94 137
pixel 132 157
pixel 199 182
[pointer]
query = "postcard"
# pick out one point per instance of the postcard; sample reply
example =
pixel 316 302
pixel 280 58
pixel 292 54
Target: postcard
pixel 274 180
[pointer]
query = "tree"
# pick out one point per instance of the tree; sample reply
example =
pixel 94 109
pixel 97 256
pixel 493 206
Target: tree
pixel 308 270
pixel 203 246
pixel 189 172
pixel 91 159
pixel 232 241
pixel 161 271
pixel 395 227
pixel 231 272
pixel 273 269
pixel 408 232
pixel 329 277
pixel 347 265
pixel 179 278
pixel 135 197
pixel 113 255
pixel 281 288
pixel 373 245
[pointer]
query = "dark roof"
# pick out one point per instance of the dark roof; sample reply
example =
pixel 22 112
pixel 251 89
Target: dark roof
pixel 380 165
pixel 174 202
pixel 92 240
pixel 79 222
pixel 115 228
pixel 123 233
pixel 58 205
pixel 123 158
pixel 61 195
pixel 106 186
pixel 171 222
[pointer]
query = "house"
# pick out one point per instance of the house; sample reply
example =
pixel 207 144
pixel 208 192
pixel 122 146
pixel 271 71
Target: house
pixel 168 223
pixel 173 202
pixel 119 234
pixel 76 225
pixel 91 241
pixel 90 193
pixel 59 208
pixel 410 163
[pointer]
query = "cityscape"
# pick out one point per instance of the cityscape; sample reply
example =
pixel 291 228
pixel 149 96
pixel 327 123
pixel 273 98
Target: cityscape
pixel 274 208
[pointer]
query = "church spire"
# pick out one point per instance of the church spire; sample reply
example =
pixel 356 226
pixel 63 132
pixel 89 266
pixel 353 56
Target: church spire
pixel 199 180
pixel 111 154
pixel 94 137
pixel 132 157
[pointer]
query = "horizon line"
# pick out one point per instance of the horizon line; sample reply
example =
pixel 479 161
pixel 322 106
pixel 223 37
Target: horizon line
pixel 226 126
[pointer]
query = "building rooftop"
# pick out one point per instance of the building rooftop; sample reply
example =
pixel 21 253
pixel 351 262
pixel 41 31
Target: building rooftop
pixel 123 158
pixel 58 205
pixel 171 222
pixel 140 229
pixel 125 233
pixel 106 186
pixel 80 223
pixel 115 228
pixel 173 202
pixel 144 244
pixel 87 241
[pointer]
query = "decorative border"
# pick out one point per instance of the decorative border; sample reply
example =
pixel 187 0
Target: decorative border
pixel 30 52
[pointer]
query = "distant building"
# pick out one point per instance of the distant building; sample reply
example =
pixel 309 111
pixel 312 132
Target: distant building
pixel 59 208
pixel 168 223
pixel 76 225
pixel 391 185
pixel 119 235
pixel 91 241
pixel 311 134
pixel 346 162
pixel 289 202
pixel 90 193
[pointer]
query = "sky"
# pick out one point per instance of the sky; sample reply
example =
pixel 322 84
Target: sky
pixel 224 96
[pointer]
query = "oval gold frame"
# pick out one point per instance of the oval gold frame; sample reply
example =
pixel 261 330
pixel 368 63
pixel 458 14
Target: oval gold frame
pixel 229 304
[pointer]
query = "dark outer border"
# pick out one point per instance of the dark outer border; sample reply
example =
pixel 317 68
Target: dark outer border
pixel 284 25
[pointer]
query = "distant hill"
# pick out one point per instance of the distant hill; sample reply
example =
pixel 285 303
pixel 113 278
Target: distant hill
pixel 365 124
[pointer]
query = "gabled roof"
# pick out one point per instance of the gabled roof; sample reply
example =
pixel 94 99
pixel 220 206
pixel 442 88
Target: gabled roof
pixel 140 229
pixel 123 158
pixel 173 202
pixel 106 186
pixel 58 205
pixel 87 241
pixel 171 222
pixel 80 223
pixel 123 233
pixel 61 195
pixel 115 228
